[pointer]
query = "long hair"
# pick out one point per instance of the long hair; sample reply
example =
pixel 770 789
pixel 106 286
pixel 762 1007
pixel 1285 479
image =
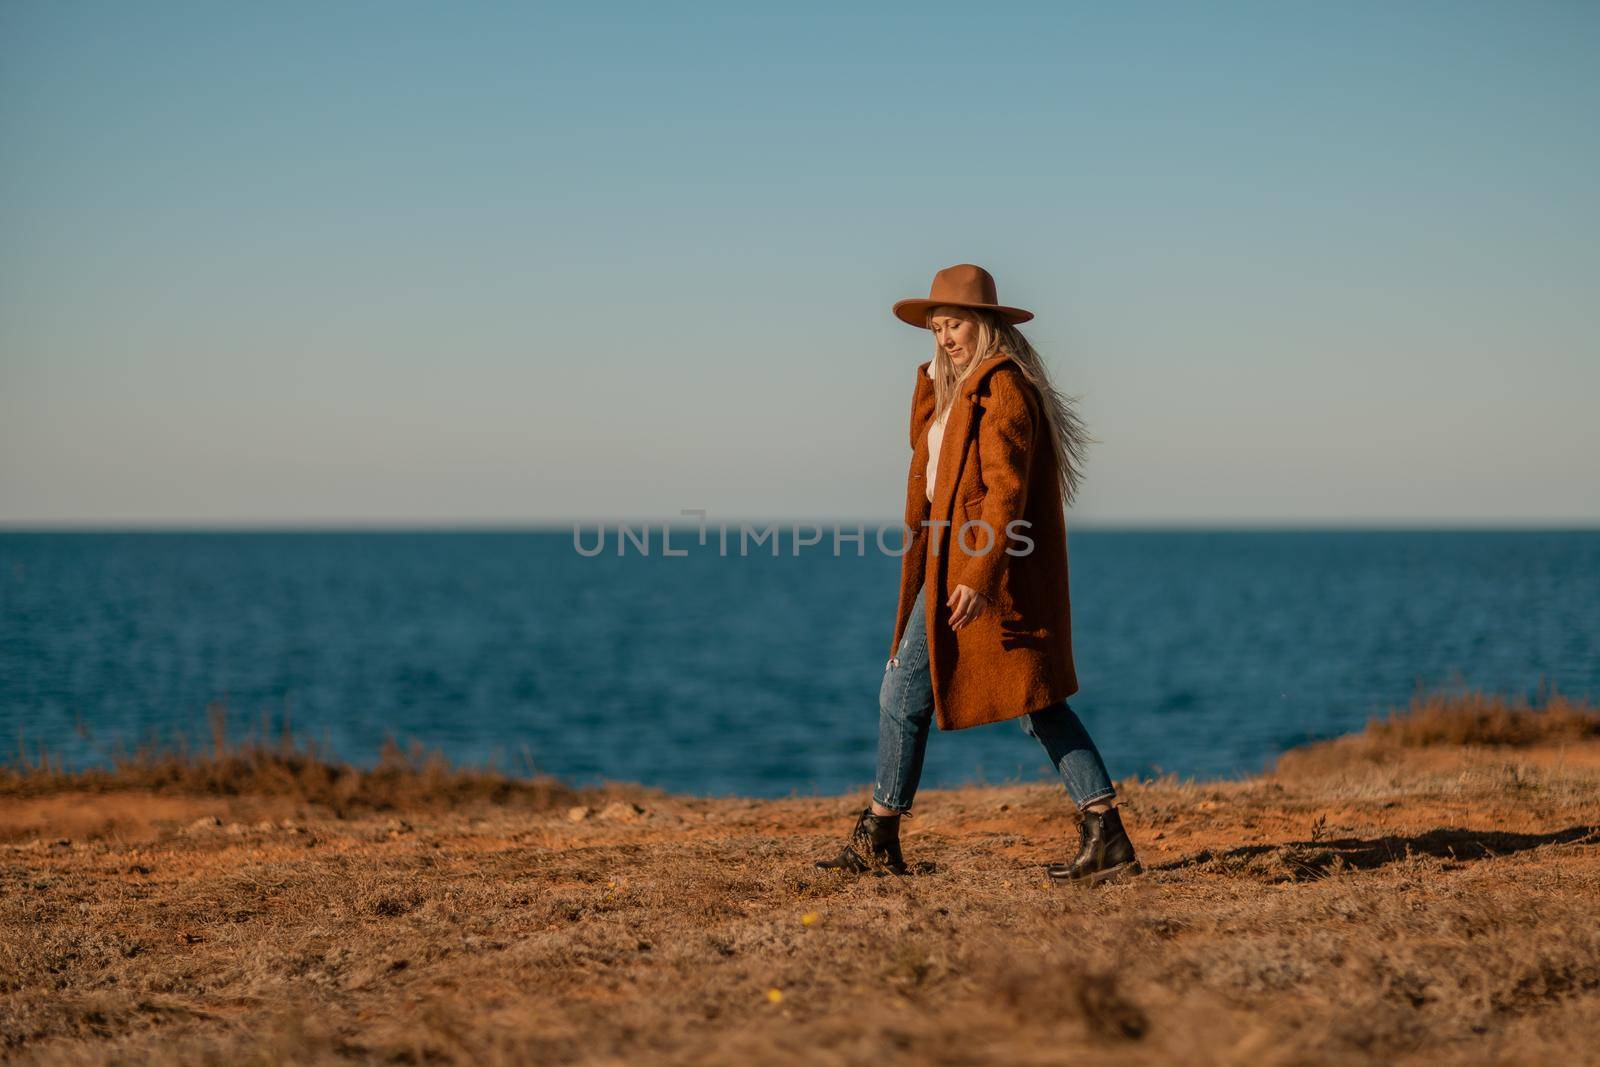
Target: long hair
pixel 1069 438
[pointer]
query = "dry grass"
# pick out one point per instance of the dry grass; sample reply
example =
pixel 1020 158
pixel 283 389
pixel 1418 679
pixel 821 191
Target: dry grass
pixel 1437 904
pixel 1486 719
pixel 1452 722
pixel 283 766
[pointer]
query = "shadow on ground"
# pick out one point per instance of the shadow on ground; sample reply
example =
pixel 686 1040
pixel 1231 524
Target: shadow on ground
pixel 1301 861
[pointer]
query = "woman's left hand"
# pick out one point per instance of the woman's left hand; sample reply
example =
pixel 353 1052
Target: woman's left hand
pixel 965 604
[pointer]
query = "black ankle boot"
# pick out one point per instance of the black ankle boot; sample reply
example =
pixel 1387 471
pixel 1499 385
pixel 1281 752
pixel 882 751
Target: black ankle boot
pixel 1104 852
pixel 873 844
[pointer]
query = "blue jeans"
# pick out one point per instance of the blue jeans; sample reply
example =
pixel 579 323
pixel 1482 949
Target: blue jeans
pixel 905 712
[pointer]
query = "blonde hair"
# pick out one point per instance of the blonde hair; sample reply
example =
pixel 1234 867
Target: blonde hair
pixel 1069 438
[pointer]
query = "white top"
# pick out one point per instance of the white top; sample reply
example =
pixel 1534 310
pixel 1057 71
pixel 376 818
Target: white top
pixel 935 439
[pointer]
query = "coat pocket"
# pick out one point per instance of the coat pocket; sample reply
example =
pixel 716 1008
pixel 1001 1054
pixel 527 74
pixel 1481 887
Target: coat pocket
pixel 971 536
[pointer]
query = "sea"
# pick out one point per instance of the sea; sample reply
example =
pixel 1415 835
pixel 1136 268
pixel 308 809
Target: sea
pixel 717 669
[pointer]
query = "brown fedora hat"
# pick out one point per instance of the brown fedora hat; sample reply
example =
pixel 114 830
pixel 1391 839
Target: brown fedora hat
pixel 963 285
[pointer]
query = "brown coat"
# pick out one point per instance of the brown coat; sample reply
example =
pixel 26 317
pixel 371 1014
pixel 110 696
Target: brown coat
pixel 995 464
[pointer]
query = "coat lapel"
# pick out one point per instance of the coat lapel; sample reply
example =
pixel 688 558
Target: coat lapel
pixel 953 450
pixel 916 485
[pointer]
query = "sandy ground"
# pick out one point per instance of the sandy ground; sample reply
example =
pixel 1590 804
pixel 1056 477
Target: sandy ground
pixel 1362 904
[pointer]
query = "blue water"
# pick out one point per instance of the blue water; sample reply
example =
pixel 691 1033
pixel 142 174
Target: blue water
pixel 1200 653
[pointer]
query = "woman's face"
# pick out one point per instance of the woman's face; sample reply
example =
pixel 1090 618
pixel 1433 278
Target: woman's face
pixel 955 331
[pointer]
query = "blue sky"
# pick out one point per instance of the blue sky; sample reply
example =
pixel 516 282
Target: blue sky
pixel 500 263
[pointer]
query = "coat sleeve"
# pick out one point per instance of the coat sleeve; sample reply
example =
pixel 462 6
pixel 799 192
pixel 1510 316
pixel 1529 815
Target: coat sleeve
pixel 1007 432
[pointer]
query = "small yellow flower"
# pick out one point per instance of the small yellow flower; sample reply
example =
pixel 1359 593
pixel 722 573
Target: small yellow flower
pixel 809 918
pixel 775 995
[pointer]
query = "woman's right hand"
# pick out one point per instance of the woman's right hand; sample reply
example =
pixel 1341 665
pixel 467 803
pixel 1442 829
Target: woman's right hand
pixel 965 605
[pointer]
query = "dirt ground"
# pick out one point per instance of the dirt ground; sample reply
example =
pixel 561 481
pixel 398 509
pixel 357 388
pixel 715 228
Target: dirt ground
pixel 1367 902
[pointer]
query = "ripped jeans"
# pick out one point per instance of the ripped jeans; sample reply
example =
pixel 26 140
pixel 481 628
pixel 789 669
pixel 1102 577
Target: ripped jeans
pixel 905 712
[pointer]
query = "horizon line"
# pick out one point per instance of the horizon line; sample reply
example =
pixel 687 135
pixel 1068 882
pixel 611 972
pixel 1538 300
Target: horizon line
pixel 785 524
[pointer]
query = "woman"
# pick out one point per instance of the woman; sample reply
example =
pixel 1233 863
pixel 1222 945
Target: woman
pixel 984 632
